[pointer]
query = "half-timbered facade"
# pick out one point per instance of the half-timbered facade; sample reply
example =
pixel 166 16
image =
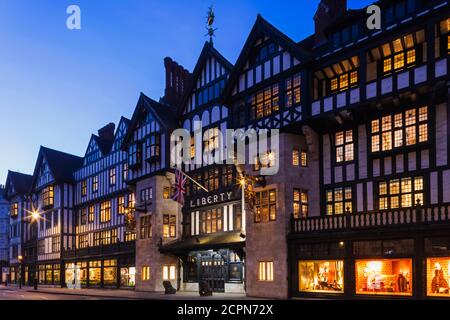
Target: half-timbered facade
pixel 158 218
pixel 104 239
pixel 379 104
pixel 359 205
pixel 52 193
pixel 4 236
pixel 17 193
pixel 211 248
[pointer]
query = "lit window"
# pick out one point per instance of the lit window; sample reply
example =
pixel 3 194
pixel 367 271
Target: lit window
pixel 304 159
pixel 265 271
pixel 112 176
pixel 295 157
pixel 353 78
pixel 292 96
pixel 339 200
pixel 265 206
pixel 387 65
pixel 169 272
pixel 411 57
pixel 169 226
pixel 265 102
pixel 399 61
pixel 321 276
pixel 121 209
pixel 334 84
pixel 400 193
pixel 95 184
pixel 343 82
pixel 384 277
pixel 14 210
pixel 47 197
pixel 91 214
pixel 344 146
pixel 105 211
pixel 84 188
pixel 145 273
pixel 403 129
pixel 300 203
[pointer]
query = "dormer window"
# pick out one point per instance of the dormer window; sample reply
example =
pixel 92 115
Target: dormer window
pixel 338 77
pixel 265 52
pixel 135 155
pixel 48 197
pixel 14 210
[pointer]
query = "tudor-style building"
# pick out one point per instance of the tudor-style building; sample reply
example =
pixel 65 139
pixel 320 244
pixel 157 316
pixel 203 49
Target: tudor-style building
pixel 359 205
pixel 16 191
pixel 211 247
pixel 158 218
pixel 52 193
pixel 379 104
pixel 4 236
pixel 104 238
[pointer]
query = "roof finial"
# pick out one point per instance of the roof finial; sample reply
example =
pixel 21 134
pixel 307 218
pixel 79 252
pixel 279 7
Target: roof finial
pixel 209 24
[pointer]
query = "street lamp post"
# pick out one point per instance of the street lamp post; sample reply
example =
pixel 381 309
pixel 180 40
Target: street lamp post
pixel 20 258
pixel 35 215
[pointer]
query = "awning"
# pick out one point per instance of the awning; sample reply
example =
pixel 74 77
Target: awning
pixel 206 242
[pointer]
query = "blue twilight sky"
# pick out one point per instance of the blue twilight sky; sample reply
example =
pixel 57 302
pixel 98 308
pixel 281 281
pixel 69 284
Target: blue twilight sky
pixel 57 87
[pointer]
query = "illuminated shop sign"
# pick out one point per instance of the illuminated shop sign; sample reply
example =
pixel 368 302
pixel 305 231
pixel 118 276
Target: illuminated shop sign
pixel 212 199
pixel 438 277
pixel 321 276
pixel 384 277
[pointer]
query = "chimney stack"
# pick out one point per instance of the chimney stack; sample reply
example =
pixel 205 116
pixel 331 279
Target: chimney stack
pixel 177 80
pixel 107 132
pixel 327 12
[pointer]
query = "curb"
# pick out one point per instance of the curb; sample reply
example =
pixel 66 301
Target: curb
pixel 83 295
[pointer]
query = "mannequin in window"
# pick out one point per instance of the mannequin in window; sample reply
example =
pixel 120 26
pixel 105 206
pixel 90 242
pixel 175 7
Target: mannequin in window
pixel 439 284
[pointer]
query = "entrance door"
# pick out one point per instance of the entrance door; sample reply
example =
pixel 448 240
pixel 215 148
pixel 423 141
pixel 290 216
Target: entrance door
pixel 213 271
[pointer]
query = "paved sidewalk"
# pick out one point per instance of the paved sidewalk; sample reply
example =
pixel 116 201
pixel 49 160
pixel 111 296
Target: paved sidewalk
pixel 127 294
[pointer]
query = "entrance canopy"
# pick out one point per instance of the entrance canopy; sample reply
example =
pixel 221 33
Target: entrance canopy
pixel 206 242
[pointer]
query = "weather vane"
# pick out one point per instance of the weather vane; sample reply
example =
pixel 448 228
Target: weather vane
pixel 209 24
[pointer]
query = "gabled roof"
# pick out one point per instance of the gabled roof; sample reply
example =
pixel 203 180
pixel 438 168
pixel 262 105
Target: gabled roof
pixel 20 181
pixel 62 165
pixel 262 26
pixel 165 114
pixel 208 50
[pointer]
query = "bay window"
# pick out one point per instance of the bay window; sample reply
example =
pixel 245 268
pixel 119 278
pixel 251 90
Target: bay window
pixel 135 155
pixel 105 211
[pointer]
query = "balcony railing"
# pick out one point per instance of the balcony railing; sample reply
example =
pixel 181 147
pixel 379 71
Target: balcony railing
pixel 372 220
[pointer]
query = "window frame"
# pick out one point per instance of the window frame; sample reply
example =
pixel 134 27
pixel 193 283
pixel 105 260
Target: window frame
pixel 260 204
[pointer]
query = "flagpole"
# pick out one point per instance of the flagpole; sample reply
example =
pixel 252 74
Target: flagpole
pixel 187 176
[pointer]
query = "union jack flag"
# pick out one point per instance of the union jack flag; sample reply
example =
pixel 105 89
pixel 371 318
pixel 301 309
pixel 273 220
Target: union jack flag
pixel 180 190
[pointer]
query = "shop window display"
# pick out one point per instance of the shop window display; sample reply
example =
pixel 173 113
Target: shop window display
pixel 321 276
pixel 384 277
pixel 438 277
